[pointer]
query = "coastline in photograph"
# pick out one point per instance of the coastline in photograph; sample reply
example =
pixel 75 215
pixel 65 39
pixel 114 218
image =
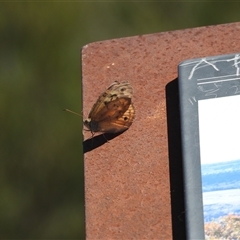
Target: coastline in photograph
pixel 221 189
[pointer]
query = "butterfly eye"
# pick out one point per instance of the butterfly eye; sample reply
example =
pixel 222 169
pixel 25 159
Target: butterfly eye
pixel 125 118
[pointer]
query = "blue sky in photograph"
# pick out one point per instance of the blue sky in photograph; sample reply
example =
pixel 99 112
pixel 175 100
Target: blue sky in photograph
pixel 219 129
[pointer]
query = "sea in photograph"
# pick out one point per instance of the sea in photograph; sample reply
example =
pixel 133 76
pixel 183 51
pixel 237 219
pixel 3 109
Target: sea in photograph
pixel 221 189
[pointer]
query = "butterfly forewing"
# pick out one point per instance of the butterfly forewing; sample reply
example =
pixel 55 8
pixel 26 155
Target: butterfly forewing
pixel 118 124
pixel 112 109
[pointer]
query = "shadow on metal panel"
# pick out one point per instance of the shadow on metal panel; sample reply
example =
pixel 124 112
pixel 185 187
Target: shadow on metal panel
pixel 175 161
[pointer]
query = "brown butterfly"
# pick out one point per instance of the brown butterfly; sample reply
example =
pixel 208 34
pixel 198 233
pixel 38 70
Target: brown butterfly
pixel 113 112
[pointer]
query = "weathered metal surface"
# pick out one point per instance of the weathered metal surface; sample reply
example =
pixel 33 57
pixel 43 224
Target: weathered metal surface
pixel 127 182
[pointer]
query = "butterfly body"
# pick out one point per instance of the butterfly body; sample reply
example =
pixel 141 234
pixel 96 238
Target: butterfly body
pixel 113 112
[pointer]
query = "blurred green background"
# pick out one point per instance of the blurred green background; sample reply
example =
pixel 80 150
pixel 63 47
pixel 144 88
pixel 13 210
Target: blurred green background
pixel 41 159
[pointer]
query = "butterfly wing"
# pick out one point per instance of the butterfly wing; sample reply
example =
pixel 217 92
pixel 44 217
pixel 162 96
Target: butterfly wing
pixel 118 123
pixel 113 111
pixel 108 101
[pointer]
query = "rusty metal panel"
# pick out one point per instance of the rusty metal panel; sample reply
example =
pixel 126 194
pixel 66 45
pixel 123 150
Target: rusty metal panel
pixel 127 181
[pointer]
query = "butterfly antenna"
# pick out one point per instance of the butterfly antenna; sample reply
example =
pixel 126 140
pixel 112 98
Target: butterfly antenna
pixel 67 110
